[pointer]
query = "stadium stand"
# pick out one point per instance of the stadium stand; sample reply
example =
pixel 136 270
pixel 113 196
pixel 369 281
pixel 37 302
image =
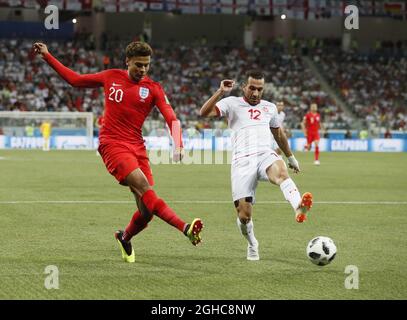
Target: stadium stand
pixel 26 84
pixel 187 79
pixel 373 85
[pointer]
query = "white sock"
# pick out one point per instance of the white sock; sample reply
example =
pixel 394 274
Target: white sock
pixel 247 231
pixel 291 193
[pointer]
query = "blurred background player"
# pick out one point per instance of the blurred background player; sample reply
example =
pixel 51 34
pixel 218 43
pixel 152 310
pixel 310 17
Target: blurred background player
pixel 281 118
pixel 310 125
pixel 130 96
pixel 251 120
pixel 29 130
pixel 45 130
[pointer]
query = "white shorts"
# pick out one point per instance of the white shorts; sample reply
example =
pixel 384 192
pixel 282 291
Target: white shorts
pixel 247 171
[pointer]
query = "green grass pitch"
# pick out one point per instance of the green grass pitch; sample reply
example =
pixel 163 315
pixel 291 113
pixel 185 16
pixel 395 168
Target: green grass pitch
pixel 360 202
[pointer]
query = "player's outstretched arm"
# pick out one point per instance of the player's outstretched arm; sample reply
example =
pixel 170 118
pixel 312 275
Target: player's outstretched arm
pixel 176 132
pixel 208 109
pixel 73 78
pixel 173 123
pixel 282 142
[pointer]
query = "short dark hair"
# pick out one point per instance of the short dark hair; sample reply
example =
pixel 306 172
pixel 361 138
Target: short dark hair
pixel 138 49
pixel 255 74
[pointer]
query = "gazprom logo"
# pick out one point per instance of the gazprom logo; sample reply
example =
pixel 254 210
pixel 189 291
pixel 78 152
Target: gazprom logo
pixel 349 145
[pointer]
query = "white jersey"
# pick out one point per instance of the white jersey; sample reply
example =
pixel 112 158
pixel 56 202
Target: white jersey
pixel 281 118
pixel 250 125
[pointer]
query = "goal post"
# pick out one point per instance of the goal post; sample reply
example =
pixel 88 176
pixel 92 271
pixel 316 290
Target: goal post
pixel 69 130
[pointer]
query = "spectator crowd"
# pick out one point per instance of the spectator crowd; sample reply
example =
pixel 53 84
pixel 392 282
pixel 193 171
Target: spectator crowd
pixel 373 87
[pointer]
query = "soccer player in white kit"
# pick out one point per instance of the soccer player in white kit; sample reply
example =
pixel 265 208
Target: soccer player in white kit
pixel 280 118
pixel 253 159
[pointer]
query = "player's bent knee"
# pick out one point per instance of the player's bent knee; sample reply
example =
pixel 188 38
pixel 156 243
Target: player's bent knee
pixel 138 182
pixel 277 172
pixel 281 178
pixel 244 210
pixel 283 175
pixel 139 190
pixel 245 217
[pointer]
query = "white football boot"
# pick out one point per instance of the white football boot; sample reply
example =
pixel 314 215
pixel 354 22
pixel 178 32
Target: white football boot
pixel 253 252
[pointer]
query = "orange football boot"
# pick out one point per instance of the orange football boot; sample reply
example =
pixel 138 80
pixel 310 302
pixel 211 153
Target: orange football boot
pixel 305 206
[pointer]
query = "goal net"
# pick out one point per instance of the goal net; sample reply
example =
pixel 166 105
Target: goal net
pixel 69 130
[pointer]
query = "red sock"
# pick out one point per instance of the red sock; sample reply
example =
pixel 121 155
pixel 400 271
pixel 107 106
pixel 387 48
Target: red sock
pixel 162 210
pixel 316 153
pixel 137 223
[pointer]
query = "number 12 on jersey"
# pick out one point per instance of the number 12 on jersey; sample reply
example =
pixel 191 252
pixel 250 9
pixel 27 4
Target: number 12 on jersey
pixel 254 114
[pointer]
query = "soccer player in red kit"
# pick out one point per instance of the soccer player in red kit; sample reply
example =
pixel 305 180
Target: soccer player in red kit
pixel 311 124
pixel 130 95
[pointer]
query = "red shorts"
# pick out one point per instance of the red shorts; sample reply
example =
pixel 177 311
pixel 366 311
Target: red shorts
pixel 122 158
pixel 312 136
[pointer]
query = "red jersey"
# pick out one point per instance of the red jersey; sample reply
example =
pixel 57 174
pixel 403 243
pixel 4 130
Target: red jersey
pixel 100 121
pixel 127 103
pixel 312 122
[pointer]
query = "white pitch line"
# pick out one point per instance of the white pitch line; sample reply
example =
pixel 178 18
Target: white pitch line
pixel 198 202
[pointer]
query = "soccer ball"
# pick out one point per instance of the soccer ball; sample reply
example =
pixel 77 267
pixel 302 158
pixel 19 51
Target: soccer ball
pixel 321 250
